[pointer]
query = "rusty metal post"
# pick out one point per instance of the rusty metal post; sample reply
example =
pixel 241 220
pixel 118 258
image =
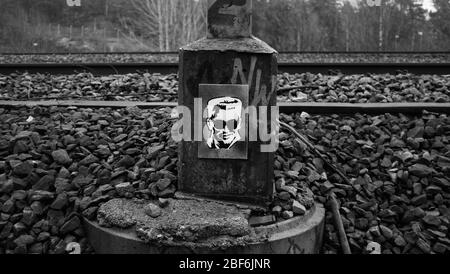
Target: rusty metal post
pixel 229 70
pixel 229 19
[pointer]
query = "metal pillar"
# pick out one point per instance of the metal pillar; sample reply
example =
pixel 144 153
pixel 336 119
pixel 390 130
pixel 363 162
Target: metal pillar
pixel 229 71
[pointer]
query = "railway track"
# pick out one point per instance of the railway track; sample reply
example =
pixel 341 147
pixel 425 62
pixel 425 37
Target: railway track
pixel 284 107
pixel 364 143
pixel 100 69
pixel 176 52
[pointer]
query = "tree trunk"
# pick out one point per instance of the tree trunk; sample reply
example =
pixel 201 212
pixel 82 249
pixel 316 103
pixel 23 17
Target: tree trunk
pixel 380 29
pixel 160 25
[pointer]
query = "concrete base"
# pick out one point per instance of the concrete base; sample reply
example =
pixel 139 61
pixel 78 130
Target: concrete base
pixel 300 235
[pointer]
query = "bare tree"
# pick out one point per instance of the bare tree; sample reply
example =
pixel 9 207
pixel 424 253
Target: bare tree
pixel 171 22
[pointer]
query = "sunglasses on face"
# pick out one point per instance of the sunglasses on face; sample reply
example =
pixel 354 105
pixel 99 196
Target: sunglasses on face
pixel 230 124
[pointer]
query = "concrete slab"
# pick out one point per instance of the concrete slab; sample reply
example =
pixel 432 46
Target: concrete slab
pixel 203 233
pixel 181 223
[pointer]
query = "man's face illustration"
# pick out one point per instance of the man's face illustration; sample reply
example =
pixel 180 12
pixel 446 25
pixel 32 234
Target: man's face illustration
pixel 224 122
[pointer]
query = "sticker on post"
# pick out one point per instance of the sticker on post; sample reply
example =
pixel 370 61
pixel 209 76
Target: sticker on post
pixel 224 121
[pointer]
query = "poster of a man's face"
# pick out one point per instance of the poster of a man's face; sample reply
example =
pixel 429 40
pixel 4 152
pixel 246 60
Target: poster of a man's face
pixel 224 122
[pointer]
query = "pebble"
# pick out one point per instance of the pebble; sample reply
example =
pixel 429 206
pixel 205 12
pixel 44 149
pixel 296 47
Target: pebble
pixel 22 169
pixel 60 202
pixel 71 225
pixel 432 220
pixel 420 170
pixel 277 210
pixel 8 206
pixel 287 214
pixel 126 161
pixel 162 184
pixel 400 241
pixel 124 188
pixel 44 183
pixel 163 203
pixel 375 231
pixel 28 217
pixel 298 208
pixel 88 160
pixel 154 150
pixel 424 246
pixel 440 248
pixel 152 210
pixel 61 157
pixel 6 186
pixel 284 195
pixel 419 200
pixel 24 240
pixel 386 232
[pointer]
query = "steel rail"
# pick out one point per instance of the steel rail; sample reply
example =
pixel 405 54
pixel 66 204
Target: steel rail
pixel 284 107
pixel 166 68
pixel 176 53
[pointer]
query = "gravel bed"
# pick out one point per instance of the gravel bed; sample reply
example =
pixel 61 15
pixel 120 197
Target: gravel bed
pixel 134 87
pixel 370 88
pixel 364 58
pixel 399 169
pixel 283 58
pixel 57 164
pixel 88 58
